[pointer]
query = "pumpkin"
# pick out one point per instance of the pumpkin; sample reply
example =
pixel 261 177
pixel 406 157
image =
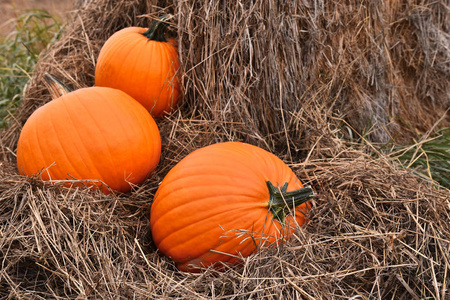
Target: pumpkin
pixel 143 63
pixel 223 202
pixel 97 134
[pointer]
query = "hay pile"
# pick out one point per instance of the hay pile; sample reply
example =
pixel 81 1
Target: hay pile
pixel 297 79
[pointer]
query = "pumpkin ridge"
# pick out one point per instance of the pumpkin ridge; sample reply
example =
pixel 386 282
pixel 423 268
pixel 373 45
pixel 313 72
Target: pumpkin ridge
pixel 195 224
pixel 240 156
pixel 223 210
pixel 80 141
pixel 242 250
pixel 226 240
pixel 120 45
pixel 100 134
pixel 126 132
pixel 158 48
pixel 200 199
pixel 156 155
pixel 61 147
pixel 225 168
pixel 171 72
pixel 250 190
pixel 150 48
pixel 77 144
pixel 24 144
pixel 137 63
pixel 166 50
pixel 37 141
pixel 263 236
pixel 104 53
pixel 165 78
pixel 263 230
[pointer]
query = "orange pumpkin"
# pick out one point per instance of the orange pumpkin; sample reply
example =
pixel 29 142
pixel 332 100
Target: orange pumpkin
pixel 96 133
pixel 223 202
pixel 142 63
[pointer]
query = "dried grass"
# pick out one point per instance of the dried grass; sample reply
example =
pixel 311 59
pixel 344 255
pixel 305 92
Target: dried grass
pixel 290 78
pixel 375 232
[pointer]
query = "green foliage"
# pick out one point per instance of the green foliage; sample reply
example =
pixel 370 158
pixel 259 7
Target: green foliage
pixel 19 52
pixel 429 158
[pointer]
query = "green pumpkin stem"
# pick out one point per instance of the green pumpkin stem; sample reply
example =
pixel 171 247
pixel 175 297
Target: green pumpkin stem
pixel 282 203
pixel 55 86
pixel 157 30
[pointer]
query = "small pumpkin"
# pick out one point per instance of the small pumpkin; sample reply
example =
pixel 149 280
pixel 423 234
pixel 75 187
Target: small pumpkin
pixel 96 133
pixel 223 202
pixel 143 63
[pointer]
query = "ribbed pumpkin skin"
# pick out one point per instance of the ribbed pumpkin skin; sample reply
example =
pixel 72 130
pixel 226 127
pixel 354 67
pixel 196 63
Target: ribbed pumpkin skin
pixel 216 200
pixel 143 69
pixel 92 133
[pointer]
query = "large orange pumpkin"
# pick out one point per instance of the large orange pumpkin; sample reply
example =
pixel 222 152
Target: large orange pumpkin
pixel 142 63
pixel 223 202
pixel 95 133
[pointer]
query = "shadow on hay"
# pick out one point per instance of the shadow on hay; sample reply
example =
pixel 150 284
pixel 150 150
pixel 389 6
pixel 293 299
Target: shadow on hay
pixel 286 78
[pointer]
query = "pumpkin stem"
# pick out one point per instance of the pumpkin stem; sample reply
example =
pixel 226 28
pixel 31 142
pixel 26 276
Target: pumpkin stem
pixel 282 203
pixel 55 86
pixel 157 30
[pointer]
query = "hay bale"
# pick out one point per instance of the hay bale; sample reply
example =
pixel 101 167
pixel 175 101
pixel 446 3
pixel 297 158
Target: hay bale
pixel 273 72
pixel 289 78
pixel 375 232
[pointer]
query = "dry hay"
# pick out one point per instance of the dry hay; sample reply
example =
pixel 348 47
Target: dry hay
pixel 374 232
pixel 290 78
